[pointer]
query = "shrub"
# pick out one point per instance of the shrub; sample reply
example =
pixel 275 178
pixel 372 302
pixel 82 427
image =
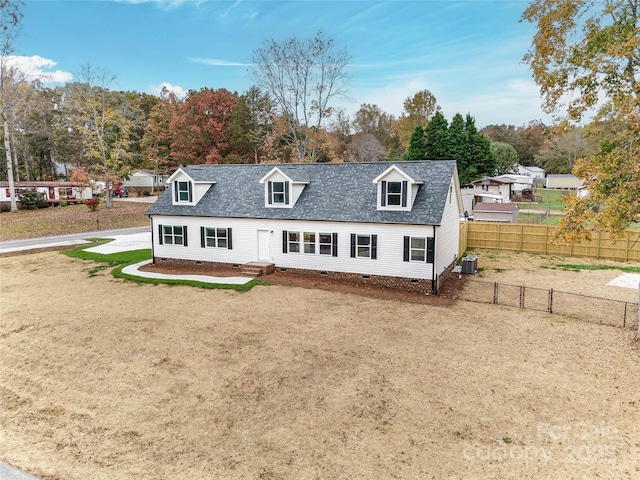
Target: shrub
pixel 92 203
pixel 32 199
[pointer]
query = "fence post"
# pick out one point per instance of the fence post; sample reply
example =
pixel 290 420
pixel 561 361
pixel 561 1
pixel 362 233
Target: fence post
pixel 495 293
pixel 550 301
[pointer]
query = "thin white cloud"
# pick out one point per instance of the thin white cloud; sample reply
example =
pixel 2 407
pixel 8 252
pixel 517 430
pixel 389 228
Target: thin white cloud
pixel 176 89
pixel 218 63
pixel 37 68
pixel 164 4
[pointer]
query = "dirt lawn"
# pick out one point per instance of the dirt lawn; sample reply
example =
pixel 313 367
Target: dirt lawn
pixel 102 378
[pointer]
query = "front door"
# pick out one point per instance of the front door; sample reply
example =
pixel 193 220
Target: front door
pixel 263 245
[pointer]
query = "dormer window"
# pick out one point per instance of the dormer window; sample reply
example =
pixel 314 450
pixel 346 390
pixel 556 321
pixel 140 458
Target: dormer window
pixel 396 189
pixel 394 194
pixel 183 192
pixel 278 193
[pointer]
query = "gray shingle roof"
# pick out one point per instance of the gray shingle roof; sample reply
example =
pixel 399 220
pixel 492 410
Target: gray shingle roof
pixel 342 192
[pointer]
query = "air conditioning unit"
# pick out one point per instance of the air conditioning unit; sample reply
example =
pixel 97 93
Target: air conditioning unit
pixel 470 265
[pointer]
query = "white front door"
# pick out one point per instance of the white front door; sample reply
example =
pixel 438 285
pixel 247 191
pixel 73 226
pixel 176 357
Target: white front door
pixel 263 245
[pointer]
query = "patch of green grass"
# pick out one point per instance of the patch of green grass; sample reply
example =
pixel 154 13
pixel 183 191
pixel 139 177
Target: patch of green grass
pixel 551 198
pixel 111 259
pixel 531 217
pixel 577 268
pixel 122 259
pixel 117 272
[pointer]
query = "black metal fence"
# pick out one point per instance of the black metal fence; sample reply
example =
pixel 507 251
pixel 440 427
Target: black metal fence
pixel 605 311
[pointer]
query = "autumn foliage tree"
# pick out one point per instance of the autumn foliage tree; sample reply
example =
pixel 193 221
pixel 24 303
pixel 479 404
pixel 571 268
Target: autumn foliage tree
pixel 583 54
pixel 198 128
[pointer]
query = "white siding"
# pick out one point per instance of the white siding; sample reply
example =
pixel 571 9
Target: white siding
pixel 447 236
pixel 395 176
pixel 390 244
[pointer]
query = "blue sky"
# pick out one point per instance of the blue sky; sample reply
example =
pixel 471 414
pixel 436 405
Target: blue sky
pixel 467 53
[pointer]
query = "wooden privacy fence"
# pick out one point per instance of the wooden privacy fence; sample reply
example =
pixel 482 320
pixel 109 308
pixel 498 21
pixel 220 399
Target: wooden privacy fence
pixel 523 237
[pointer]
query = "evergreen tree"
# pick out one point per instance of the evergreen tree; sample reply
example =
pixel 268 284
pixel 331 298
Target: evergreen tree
pixel 417 147
pixel 437 138
pixel 482 162
pixel 459 146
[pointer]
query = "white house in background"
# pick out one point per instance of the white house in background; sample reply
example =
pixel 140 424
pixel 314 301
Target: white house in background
pixel 146 180
pixel 497 186
pixel 533 172
pixel 391 224
pixel 566 181
pixel 54 192
pixel 520 182
pixel 496 212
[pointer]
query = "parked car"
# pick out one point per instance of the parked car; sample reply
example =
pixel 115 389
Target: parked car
pixel 121 192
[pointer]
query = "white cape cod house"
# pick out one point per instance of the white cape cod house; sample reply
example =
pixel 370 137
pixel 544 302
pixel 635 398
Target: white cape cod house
pixel 395 224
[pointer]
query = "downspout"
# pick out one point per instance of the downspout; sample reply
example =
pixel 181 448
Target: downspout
pixel 153 254
pixel 434 290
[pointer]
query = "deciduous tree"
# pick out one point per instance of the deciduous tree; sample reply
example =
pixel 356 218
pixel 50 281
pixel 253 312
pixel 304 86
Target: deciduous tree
pixel 10 18
pixel 506 157
pixel 585 53
pixel 303 77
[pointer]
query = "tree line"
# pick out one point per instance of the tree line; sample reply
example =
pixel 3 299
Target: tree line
pixel 586 52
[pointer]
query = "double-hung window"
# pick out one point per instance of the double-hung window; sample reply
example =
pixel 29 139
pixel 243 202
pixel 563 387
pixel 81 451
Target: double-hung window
pixel 328 244
pixel 173 235
pixel 291 242
pixel 394 194
pixel 309 242
pixel 215 237
pixel 364 246
pixel 183 192
pixel 278 193
pixel 419 249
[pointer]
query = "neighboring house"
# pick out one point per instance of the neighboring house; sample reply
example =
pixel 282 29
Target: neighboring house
pixel 565 181
pixel 391 224
pixel 141 180
pixel 520 182
pixel 496 212
pixel 536 173
pixel 497 186
pixel 54 192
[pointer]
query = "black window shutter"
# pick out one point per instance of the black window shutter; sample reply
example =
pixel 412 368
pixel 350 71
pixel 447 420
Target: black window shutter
pixel 286 193
pixel 229 244
pixel 269 192
pixel 383 197
pixel 175 191
pixel 284 241
pixel 353 245
pixel 184 233
pixel 334 244
pixel 374 247
pixel 160 237
pixel 405 184
pixel 190 191
pixel 406 249
pixel 202 241
pixel 430 249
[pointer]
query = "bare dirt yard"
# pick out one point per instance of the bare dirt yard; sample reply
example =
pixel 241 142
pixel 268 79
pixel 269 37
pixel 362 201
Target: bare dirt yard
pixel 103 378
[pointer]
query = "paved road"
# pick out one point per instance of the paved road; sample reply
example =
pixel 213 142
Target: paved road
pixel 64 240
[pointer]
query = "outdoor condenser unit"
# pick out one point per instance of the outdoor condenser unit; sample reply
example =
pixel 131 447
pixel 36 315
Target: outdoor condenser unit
pixel 470 265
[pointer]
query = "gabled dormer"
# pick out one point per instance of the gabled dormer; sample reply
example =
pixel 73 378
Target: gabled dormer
pixel 282 187
pixel 396 189
pixel 185 190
